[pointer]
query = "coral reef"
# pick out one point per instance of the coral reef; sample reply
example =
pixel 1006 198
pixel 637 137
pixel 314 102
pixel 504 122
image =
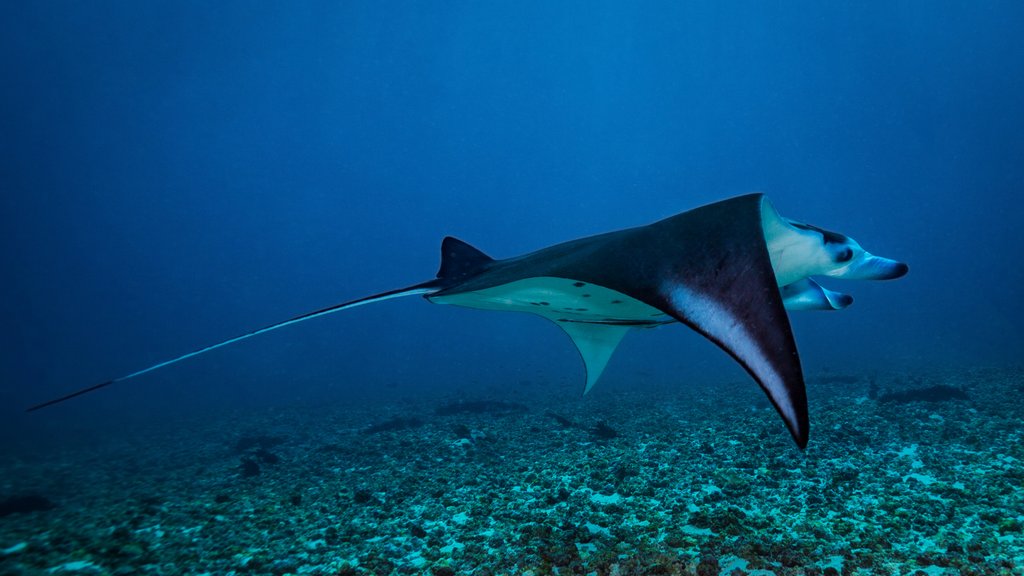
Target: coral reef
pixel 481 407
pixel 696 480
pixel 937 393
pixel 393 424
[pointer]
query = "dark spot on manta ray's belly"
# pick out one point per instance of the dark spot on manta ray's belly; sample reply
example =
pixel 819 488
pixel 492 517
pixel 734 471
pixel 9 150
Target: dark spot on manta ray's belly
pixel 580 284
pixel 616 301
pixel 586 295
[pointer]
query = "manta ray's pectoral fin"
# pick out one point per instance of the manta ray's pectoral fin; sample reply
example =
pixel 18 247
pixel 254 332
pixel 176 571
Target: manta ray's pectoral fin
pixel 719 280
pixel 807 294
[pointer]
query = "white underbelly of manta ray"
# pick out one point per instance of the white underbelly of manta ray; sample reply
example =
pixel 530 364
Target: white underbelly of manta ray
pixel 594 317
pixel 558 299
pixel 729 270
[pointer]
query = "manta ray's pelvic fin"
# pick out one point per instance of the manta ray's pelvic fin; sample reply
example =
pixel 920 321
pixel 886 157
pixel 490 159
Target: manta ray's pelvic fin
pixel 596 343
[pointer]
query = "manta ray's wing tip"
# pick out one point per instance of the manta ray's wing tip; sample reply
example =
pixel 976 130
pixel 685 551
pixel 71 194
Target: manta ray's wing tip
pixel 801 436
pixel 801 443
pixel 790 401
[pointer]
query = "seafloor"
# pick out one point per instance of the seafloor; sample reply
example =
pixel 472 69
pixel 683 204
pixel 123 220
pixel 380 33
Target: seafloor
pixel 675 481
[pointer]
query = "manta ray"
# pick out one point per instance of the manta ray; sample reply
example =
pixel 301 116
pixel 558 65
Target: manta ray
pixel 729 270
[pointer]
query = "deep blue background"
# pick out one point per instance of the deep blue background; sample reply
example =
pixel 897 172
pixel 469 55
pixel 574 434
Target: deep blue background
pixel 176 173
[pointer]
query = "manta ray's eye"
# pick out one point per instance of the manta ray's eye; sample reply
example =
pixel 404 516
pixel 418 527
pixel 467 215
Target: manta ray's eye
pixel 844 255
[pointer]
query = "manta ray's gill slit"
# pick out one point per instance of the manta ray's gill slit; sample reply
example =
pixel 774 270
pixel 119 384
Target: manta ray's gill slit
pixel 579 284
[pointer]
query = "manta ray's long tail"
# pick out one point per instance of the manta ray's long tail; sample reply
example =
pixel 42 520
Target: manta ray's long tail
pixel 425 288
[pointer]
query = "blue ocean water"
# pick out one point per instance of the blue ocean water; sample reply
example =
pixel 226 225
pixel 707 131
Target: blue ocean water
pixel 173 174
pixel 178 173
